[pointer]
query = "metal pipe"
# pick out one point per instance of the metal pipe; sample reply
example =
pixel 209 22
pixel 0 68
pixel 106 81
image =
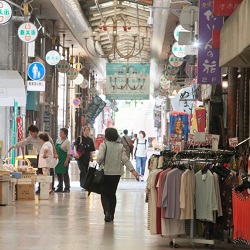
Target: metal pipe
pixel 14 4
pixel 232 98
pixel 241 104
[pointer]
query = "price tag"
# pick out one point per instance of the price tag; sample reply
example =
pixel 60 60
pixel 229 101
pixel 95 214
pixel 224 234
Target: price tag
pixel 176 146
pixel 233 142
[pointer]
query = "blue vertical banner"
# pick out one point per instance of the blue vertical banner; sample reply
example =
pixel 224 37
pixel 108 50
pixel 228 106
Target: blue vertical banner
pixel 179 124
pixel 13 140
pixel 209 71
pixel 127 81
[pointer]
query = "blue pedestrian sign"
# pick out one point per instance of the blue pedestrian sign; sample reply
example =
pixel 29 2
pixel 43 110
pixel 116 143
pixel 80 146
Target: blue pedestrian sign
pixel 36 71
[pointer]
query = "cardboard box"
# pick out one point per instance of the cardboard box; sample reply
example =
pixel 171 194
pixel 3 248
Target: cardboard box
pixel 26 181
pixel 4 192
pixel 25 191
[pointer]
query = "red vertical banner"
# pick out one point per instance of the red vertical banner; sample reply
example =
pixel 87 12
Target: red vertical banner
pixel 19 123
pixel 225 7
pixel 201 119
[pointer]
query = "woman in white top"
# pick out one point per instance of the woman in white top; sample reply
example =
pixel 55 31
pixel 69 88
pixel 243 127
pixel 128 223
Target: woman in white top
pixel 112 156
pixel 45 154
pixel 140 152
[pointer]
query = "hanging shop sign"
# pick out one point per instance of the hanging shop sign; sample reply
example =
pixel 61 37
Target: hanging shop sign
pixel 209 71
pixel 127 81
pixel 177 31
pixel 53 57
pixel 5 12
pixel 191 70
pixel 84 84
pixel 76 102
pixel 175 61
pixel 169 76
pixel 165 83
pixel 72 73
pixel 79 79
pixel 179 50
pixel 63 66
pixel 172 70
pixel 27 32
pixel 95 108
pixel 225 7
pixel 183 101
pixel 36 71
pixel 93 91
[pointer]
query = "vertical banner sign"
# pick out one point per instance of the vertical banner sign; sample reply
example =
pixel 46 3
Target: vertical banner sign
pixel 209 71
pixel 95 108
pixel 13 141
pixel 19 123
pixel 225 7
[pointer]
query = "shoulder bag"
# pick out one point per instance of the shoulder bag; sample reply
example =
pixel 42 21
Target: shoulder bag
pixel 80 148
pixel 99 173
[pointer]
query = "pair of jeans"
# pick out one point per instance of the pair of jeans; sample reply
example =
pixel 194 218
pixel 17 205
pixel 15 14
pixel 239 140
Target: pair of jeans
pixel 108 193
pixel 140 164
pixel 64 178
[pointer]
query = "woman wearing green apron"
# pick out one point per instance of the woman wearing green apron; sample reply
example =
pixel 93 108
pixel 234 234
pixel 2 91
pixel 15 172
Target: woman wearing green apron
pixel 63 148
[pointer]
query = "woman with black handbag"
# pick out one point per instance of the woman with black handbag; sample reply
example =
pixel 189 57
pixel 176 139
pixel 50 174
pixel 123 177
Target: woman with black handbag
pixel 115 157
pixel 84 150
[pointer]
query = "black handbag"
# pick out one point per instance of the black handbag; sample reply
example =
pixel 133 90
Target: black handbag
pixel 89 183
pixel 99 176
pixel 99 173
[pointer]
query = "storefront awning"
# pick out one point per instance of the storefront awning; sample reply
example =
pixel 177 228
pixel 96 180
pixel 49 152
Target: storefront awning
pixel 235 38
pixel 12 88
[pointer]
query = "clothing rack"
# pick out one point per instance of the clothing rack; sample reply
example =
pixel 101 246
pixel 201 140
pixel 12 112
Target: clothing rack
pixel 191 239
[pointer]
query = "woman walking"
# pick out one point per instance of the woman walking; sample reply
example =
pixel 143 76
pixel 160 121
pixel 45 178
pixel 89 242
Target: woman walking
pixel 87 150
pixel 140 152
pixel 112 156
pixel 62 168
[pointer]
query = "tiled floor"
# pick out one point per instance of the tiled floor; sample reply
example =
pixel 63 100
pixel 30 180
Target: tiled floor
pixel 74 221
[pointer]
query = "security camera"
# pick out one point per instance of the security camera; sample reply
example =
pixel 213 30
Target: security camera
pixel 150 21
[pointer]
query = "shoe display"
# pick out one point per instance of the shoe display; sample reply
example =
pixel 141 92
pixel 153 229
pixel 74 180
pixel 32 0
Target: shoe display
pixel 66 191
pixel 58 190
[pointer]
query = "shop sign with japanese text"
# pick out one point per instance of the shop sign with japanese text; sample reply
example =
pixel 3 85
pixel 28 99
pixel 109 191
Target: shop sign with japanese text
pixel 179 50
pixel 209 71
pixel 27 32
pixel 5 12
pixel 72 73
pixel 53 57
pixel 63 66
pixel 225 7
pixel 175 61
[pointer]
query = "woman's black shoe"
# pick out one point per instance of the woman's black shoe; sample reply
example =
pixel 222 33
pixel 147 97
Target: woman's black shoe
pixel 58 190
pixel 107 218
pixel 66 191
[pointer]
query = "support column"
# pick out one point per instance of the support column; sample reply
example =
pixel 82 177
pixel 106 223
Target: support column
pixel 241 104
pixel 232 102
